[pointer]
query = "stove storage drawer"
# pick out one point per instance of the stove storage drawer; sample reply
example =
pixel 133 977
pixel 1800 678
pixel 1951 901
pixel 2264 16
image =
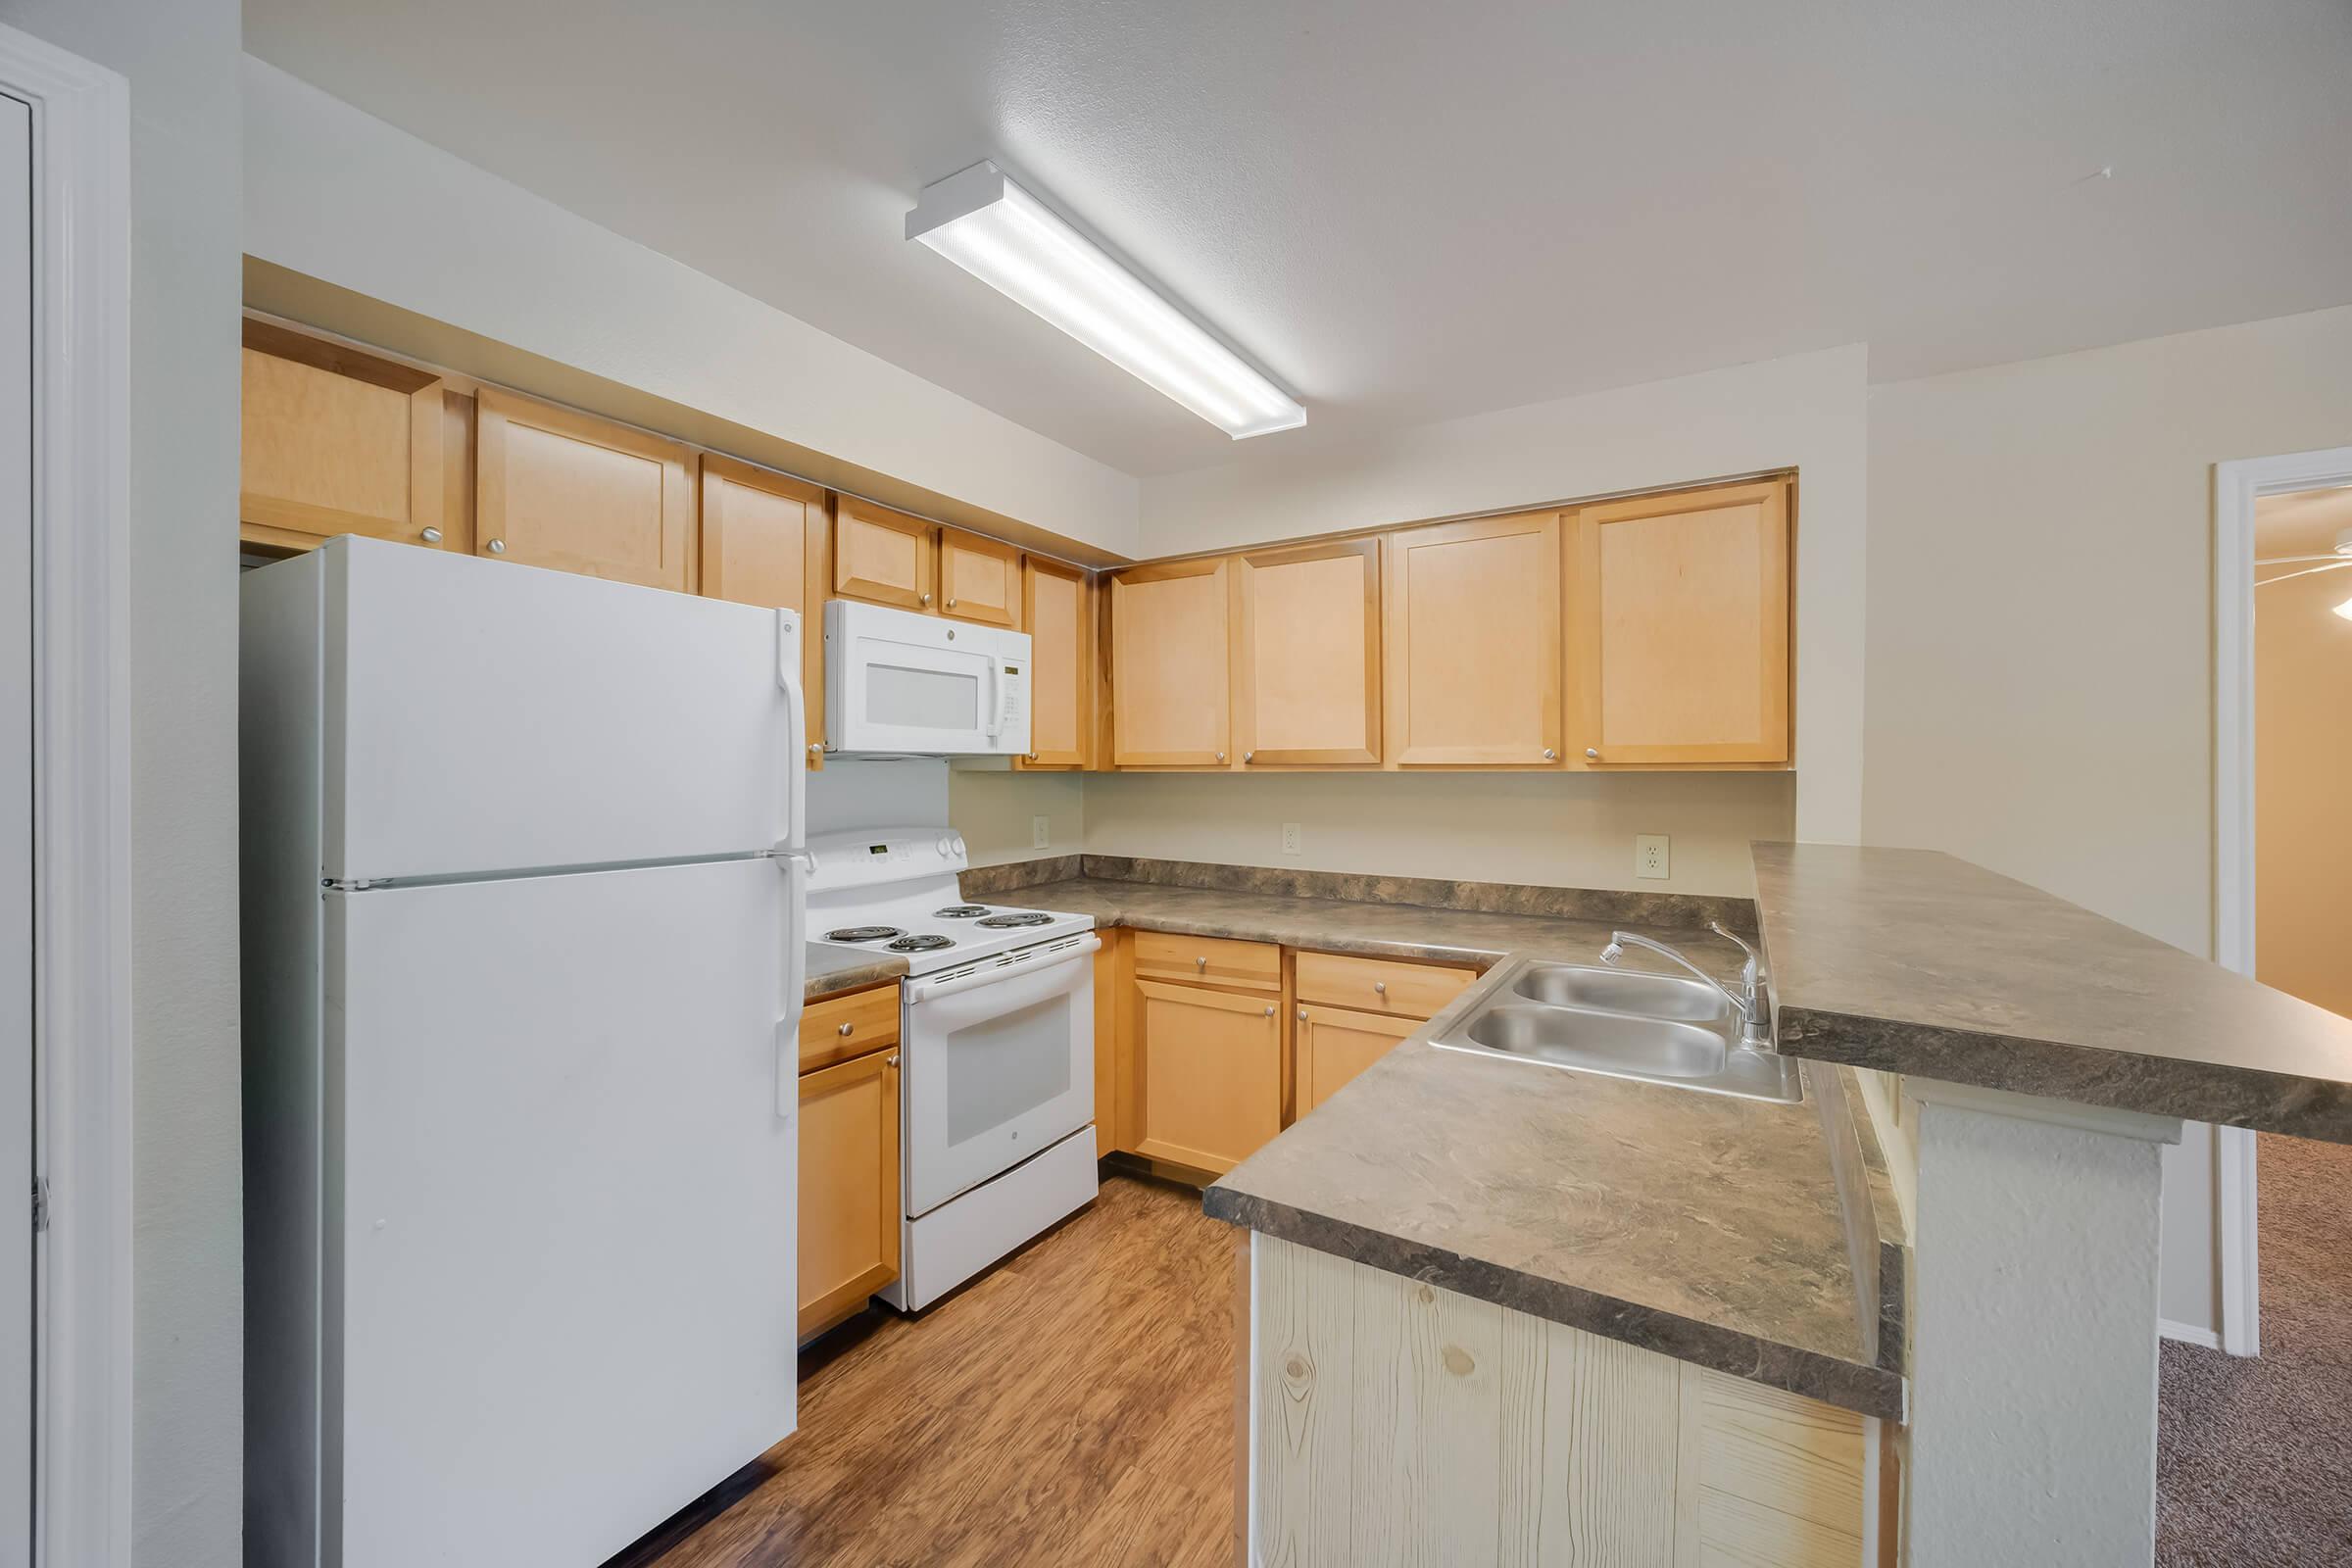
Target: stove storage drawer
pixel 1207 961
pixel 841 1027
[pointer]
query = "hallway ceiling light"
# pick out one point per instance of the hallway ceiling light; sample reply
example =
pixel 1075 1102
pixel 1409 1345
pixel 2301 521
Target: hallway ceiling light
pixel 1010 240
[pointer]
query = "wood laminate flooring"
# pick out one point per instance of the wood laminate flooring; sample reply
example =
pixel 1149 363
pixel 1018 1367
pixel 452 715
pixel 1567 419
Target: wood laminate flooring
pixel 1073 1406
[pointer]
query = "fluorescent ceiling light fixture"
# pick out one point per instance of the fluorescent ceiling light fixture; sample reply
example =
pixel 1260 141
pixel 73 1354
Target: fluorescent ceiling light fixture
pixel 2345 609
pixel 1016 245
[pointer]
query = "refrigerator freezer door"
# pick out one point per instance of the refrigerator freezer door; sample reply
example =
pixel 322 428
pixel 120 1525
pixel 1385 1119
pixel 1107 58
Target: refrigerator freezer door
pixel 483 717
pixel 567 1220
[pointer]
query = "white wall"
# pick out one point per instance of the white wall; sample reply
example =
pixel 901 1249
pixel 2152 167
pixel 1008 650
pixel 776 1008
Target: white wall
pixel 1552 830
pixel 2040 630
pixel 181 60
pixel 339 195
pixel 1807 410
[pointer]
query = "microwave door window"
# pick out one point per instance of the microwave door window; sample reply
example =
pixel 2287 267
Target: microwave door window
pixel 909 697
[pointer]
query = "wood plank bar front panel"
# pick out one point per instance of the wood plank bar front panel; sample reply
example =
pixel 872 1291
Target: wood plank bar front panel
pixel 849 1206
pixel 1680 605
pixel 1307 655
pixel 562 489
pixel 1060 617
pixel 1171 661
pixel 762 543
pixel 979 580
pixel 334 442
pixel 1474 644
pixel 883 557
pixel 1397 1421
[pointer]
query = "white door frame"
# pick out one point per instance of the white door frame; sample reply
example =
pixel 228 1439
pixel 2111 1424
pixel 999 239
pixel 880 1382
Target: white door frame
pixel 81 788
pixel 2237 486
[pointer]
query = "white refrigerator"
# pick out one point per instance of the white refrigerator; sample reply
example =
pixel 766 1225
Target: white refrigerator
pixel 523 882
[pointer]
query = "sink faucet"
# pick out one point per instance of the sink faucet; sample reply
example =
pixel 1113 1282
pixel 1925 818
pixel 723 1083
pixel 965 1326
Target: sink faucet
pixel 1755 1020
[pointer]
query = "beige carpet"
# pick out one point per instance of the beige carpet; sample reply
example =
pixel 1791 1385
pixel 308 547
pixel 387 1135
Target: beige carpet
pixel 2254 1458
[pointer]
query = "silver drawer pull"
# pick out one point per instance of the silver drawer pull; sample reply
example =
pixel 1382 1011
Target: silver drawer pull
pixel 846 1027
pixel 498 547
pixel 1269 1012
pixel 1200 964
pixel 1380 986
pixel 432 536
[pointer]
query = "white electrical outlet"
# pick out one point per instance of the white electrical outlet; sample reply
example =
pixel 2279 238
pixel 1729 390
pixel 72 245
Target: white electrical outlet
pixel 1290 838
pixel 1649 855
pixel 1041 832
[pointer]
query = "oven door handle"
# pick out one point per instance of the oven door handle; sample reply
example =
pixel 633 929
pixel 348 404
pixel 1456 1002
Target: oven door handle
pixel 923 991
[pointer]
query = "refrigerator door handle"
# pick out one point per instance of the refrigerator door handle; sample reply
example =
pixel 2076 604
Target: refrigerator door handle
pixel 793 773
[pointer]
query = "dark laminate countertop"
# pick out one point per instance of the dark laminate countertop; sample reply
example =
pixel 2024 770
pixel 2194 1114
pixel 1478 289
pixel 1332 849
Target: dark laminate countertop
pixel 1915 961
pixel 835 967
pixel 1707 1228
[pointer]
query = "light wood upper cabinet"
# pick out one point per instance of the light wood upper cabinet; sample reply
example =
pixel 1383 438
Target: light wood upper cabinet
pixel 979 580
pixel 1307 655
pixel 884 556
pixel 1169 663
pixel 849 1203
pixel 562 489
pixel 767 538
pixel 1472 618
pixel 335 441
pixel 1057 608
pixel 1680 605
pixel 1209 1070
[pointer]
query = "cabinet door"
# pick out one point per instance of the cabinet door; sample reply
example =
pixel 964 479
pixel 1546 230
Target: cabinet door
pixel 883 557
pixel 1335 1045
pixel 1169 702
pixel 1057 608
pixel 334 441
pixel 1211 1075
pixel 979 580
pixel 849 1187
pixel 559 488
pixel 1307 654
pixel 1472 616
pixel 763 543
pixel 1680 609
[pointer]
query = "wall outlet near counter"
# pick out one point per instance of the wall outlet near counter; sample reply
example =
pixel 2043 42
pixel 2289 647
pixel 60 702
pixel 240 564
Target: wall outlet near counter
pixel 1649 855
pixel 1041 832
pixel 1290 838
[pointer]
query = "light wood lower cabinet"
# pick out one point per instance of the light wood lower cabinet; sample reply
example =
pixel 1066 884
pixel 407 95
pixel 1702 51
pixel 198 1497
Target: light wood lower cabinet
pixel 849 1209
pixel 1393 1420
pixel 1209 1071
pixel 1335 1045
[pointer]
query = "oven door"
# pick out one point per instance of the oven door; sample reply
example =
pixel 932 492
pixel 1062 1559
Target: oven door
pixel 999 1064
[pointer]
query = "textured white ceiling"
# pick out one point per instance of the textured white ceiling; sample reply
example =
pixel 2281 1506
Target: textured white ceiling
pixel 1410 211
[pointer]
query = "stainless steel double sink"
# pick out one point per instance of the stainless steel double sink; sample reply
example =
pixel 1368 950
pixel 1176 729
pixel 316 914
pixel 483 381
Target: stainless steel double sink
pixel 1619 1024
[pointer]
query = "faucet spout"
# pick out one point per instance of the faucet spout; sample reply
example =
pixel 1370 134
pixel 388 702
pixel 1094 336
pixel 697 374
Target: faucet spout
pixel 1751 1000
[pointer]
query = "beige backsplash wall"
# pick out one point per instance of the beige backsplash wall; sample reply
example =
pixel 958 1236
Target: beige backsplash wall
pixel 993 809
pixel 1560 830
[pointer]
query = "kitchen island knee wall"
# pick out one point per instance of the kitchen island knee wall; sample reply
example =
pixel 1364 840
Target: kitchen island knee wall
pixel 1574 830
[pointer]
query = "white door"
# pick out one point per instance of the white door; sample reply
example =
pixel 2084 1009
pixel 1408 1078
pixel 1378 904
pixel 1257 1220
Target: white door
pixel 17 1157
pixel 568 1221
pixel 503 717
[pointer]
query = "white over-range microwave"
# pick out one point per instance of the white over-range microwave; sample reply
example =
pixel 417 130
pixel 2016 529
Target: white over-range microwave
pixel 902 684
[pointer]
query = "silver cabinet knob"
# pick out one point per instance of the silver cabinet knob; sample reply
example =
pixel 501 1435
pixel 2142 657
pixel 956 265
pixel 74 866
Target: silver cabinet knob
pixel 1248 757
pixel 847 1028
pixel 1032 757
pixel 1269 1012
pixel 817 748
pixel 1592 751
pixel 1549 754
pixel 498 547
pixel 432 536
pixel 922 599
pixel 951 603
pixel 1380 987
pixel 1302 1015
pixel 1220 757
pixel 891 1060
pixel 1200 964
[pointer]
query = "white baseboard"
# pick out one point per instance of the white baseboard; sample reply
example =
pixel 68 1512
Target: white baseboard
pixel 2189 1334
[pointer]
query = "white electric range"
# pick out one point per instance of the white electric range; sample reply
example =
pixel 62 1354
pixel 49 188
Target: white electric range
pixel 997 1047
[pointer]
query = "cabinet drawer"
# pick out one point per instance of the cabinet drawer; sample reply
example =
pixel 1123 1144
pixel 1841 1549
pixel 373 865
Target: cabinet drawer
pixel 1379 985
pixel 841 1027
pixel 1207 960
